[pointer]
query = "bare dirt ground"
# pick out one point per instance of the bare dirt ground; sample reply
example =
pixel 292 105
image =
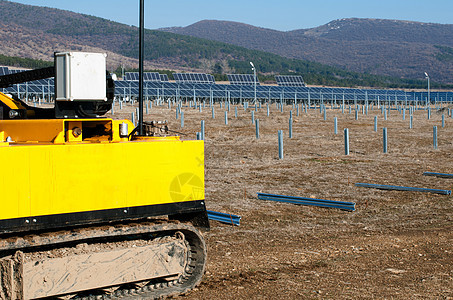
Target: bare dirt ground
pixel 396 245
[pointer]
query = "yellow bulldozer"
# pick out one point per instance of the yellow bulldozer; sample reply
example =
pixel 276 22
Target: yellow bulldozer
pixel 90 209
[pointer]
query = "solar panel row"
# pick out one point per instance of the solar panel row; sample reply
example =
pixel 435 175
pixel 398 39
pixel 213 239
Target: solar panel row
pixel 289 80
pixel 172 89
pixel 4 71
pixel 35 86
pixel 193 78
pixel 242 79
pixel 242 86
pixel 224 91
pixel 147 76
pixel 16 71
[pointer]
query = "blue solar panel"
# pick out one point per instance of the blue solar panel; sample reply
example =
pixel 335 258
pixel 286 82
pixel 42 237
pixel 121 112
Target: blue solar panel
pixel 147 76
pixel 193 78
pixel 242 79
pixel 163 77
pixel 289 80
pixel 151 76
pixel 4 71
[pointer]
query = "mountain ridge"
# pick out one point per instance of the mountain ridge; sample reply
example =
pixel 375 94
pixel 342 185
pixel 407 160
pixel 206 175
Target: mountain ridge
pixel 405 49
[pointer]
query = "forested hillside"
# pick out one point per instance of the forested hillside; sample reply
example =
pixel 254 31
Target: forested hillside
pixel 385 47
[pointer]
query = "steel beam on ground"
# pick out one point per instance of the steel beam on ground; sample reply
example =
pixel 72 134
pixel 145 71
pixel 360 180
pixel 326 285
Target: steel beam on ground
pixel 308 201
pixel 440 175
pixel 223 217
pixel 403 188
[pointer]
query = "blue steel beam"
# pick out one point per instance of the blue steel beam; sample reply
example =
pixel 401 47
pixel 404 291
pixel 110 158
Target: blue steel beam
pixel 308 201
pixel 224 218
pixel 402 188
pixel 441 175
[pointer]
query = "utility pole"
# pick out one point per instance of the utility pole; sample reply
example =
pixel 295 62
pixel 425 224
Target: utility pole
pixel 140 74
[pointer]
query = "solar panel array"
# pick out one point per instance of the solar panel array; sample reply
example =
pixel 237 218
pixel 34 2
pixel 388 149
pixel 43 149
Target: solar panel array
pixel 4 71
pixel 16 71
pixel 351 96
pixel 241 88
pixel 278 93
pixel 242 79
pixel 193 78
pixel 147 76
pixel 290 80
pixel 42 87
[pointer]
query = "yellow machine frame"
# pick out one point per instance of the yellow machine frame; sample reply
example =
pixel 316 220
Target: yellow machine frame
pixel 70 171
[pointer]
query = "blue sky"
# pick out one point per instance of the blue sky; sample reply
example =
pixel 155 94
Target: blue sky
pixel 275 14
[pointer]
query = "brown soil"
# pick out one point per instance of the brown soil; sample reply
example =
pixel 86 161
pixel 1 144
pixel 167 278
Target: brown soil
pixel 395 245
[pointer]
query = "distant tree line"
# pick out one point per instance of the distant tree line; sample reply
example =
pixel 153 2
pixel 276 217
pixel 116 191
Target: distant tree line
pixel 20 62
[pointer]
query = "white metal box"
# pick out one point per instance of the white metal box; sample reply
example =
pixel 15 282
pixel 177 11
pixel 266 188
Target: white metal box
pixel 80 76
